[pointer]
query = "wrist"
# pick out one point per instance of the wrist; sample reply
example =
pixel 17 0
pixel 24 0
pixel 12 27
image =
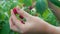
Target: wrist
pixel 52 29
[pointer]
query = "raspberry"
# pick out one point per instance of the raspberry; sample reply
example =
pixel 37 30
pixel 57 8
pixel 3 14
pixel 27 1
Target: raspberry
pixel 22 22
pixel 21 17
pixel 15 11
pixel 30 7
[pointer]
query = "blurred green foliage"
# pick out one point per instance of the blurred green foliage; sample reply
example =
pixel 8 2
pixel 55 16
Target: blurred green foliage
pixel 7 5
pixel 56 2
pixel 45 12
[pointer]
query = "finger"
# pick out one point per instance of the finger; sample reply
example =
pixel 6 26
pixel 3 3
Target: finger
pixel 12 26
pixel 16 21
pixel 23 13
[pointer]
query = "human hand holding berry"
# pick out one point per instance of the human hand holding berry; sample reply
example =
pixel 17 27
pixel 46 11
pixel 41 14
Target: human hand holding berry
pixel 33 24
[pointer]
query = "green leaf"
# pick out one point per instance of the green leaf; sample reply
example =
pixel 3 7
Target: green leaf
pixel 5 28
pixel 41 6
pixel 56 2
pixel 21 1
pixel 50 17
pixel 13 4
pixel 2 17
pixel 27 2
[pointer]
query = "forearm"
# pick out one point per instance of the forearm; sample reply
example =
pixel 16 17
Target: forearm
pixel 55 9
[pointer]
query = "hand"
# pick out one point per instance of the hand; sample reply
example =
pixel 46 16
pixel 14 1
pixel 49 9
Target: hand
pixel 33 24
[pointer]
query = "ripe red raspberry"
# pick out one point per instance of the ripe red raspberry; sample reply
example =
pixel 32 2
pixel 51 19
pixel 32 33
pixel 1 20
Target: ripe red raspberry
pixel 30 7
pixel 21 17
pixel 22 22
pixel 15 11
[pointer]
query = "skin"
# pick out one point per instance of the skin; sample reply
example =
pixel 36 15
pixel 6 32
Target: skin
pixel 33 24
